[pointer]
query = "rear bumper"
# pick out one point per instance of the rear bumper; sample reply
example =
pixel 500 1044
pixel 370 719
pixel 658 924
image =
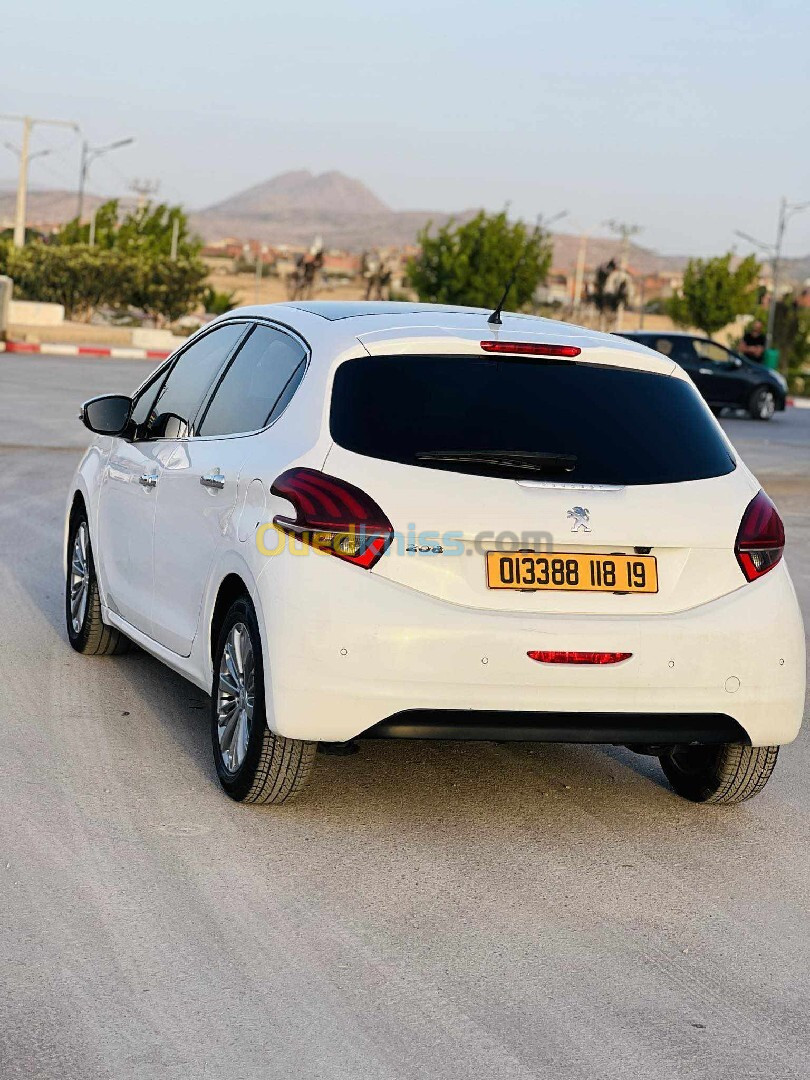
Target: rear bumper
pixel 663 729
pixel 348 650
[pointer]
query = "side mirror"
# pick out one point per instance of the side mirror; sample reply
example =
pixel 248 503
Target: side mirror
pixel 106 415
pixel 168 426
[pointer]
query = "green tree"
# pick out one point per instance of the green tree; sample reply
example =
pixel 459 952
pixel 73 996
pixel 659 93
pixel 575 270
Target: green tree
pixel 129 265
pixel 78 277
pixel 148 228
pixel 165 289
pixel 473 263
pixel 151 228
pixel 218 303
pixel 77 232
pixel 713 294
pixel 791 332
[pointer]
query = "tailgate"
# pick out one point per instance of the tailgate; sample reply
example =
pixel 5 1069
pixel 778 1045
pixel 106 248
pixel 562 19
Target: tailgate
pixel 447 522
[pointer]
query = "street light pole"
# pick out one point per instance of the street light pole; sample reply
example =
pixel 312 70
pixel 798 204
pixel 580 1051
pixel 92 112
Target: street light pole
pixel 89 155
pixel 22 177
pixel 83 167
pixel 22 184
pixel 781 221
pixel 774 251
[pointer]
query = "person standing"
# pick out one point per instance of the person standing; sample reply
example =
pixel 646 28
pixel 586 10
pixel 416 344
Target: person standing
pixel 754 342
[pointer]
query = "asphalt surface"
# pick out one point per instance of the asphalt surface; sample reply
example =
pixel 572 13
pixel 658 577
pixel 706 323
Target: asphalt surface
pixel 425 911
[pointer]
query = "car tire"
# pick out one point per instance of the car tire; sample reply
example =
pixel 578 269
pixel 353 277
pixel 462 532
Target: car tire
pixel 87 632
pixel 723 775
pixel 253 764
pixel 762 405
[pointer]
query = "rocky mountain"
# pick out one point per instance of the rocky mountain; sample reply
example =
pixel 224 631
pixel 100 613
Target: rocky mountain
pixel 44 207
pixel 295 207
pixel 302 191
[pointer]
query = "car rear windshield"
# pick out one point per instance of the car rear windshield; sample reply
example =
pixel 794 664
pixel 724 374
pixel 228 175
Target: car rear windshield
pixel 526 419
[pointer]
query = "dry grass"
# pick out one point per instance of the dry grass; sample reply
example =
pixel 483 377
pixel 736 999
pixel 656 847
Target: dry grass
pixel 271 290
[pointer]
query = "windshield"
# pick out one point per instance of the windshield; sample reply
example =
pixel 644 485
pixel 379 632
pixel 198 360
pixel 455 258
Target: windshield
pixel 526 419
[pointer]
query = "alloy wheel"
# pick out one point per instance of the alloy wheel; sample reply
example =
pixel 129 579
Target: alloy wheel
pixel 767 405
pixel 79 578
pixel 235 696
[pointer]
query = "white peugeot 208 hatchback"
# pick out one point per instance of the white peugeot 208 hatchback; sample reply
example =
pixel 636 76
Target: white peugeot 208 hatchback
pixel 410 521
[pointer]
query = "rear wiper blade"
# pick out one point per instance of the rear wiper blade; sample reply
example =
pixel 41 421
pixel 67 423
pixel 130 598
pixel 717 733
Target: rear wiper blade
pixel 515 459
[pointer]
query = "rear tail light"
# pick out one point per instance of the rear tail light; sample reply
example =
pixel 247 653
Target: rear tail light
pixel 546 656
pixel 333 516
pixel 530 348
pixel 760 539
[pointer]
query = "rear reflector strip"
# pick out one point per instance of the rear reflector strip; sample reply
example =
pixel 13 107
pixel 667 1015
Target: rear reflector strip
pixel 529 348
pixel 545 656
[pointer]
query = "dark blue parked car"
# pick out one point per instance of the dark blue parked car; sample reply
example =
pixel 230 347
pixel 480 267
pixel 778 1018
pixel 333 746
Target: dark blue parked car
pixel 725 379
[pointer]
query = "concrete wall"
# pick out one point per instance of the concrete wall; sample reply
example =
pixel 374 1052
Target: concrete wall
pixel 33 313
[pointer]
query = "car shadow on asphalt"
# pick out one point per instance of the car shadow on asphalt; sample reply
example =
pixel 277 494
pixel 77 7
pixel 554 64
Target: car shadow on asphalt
pixel 390 773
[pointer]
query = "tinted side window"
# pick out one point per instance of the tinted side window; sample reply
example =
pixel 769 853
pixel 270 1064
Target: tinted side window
pixel 267 369
pixel 709 350
pixel 683 351
pixel 192 374
pixel 662 345
pixel 143 406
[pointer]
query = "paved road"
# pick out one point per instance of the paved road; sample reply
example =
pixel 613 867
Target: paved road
pixel 427 911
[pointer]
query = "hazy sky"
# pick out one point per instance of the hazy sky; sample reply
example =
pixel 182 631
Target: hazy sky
pixel 690 119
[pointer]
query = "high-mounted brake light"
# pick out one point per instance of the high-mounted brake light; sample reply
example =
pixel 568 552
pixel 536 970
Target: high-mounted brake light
pixel 529 348
pixel 333 516
pixel 547 656
pixel 760 538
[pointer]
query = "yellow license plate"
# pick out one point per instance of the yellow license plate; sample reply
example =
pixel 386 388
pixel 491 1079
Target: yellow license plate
pixel 572 572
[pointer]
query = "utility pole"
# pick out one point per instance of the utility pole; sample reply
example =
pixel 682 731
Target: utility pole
pixel 22 177
pixel 144 189
pixel 175 238
pixel 774 252
pixel 625 231
pixel 781 222
pixel 89 155
pixel 579 275
pixel 260 254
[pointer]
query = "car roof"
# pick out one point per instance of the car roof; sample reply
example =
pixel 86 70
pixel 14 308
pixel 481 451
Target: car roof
pixel 353 309
pixel 661 333
pixel 381 327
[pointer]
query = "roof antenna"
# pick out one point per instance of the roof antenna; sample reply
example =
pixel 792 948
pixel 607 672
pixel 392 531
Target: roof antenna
pixel 495 318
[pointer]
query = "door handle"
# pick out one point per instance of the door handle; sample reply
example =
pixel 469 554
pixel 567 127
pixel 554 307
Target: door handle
pixel 213 480
pixel 148 480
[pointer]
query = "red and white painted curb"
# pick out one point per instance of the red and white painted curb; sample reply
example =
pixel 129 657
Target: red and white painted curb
pixel 118 352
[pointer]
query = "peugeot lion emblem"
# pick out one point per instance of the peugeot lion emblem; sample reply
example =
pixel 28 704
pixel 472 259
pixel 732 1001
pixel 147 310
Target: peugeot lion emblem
pixel 581 516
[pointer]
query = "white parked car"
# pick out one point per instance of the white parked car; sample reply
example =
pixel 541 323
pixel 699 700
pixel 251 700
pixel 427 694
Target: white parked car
pixel 409 521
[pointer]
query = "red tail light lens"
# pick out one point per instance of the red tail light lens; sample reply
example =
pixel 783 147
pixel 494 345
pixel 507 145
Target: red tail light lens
pixel 529 348
pixel 333 516
pixel 760 539
pixel 545 656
